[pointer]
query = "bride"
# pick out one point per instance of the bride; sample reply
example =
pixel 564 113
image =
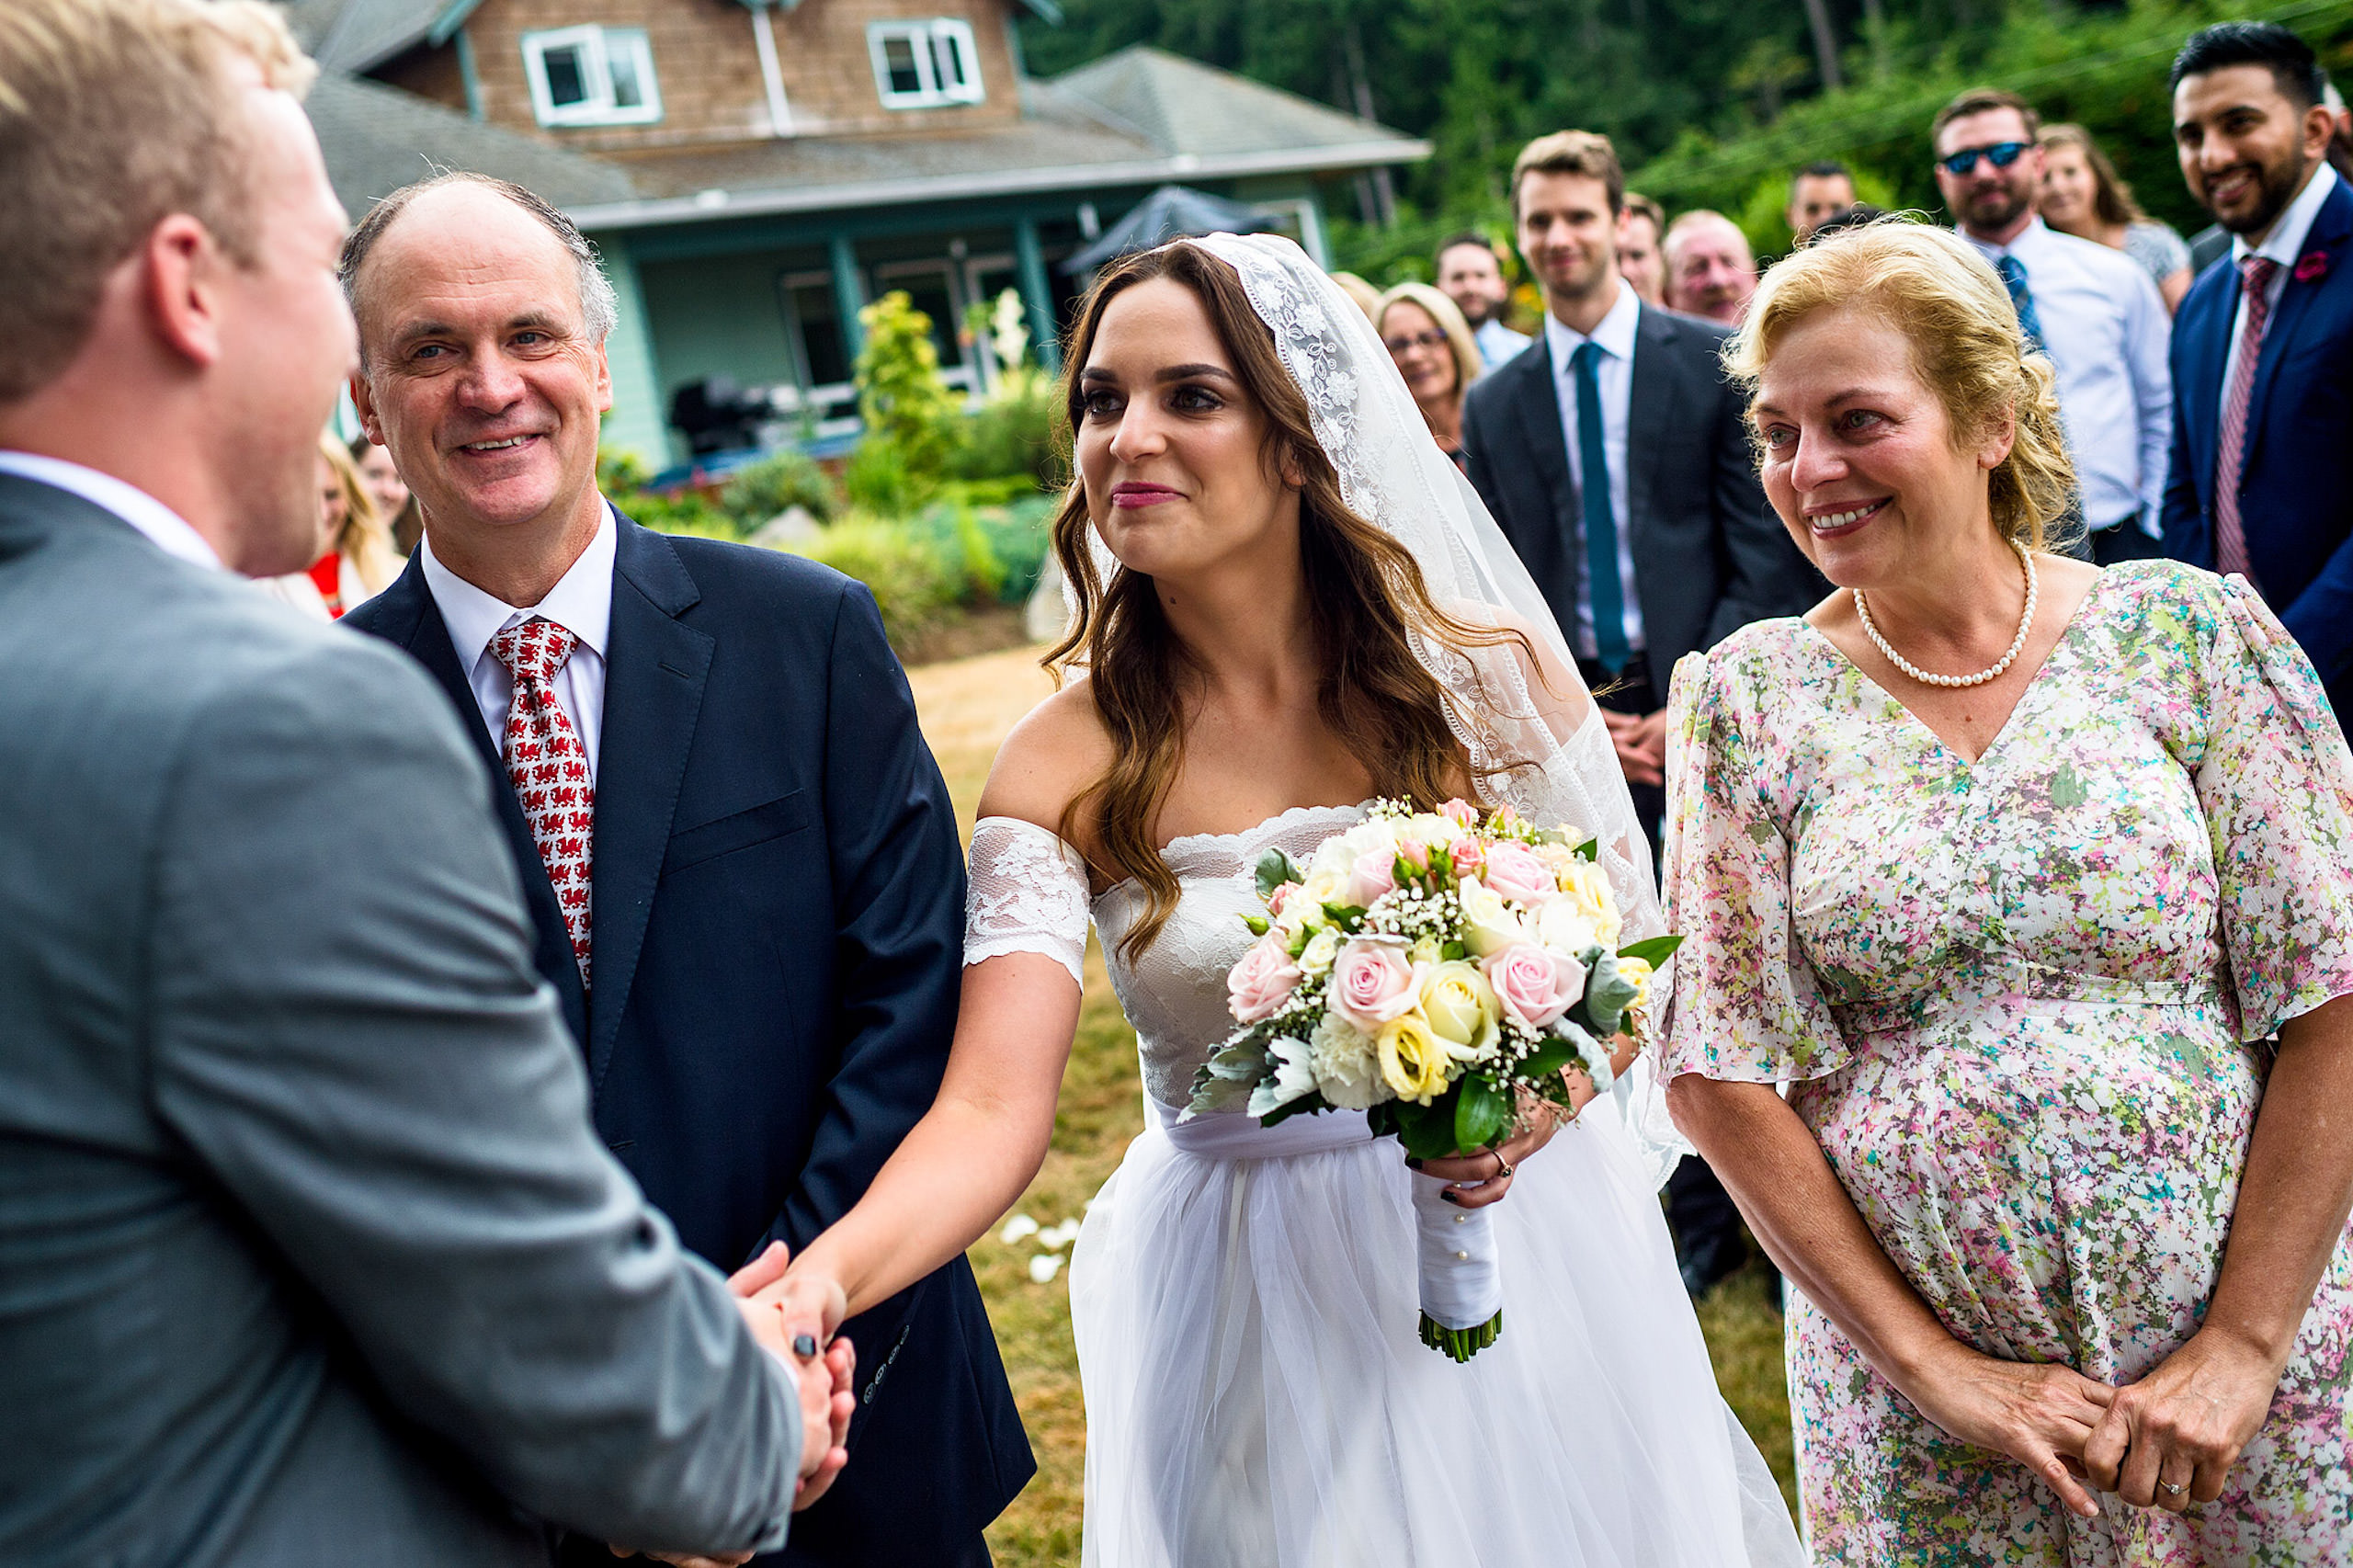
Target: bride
pixel 1288 604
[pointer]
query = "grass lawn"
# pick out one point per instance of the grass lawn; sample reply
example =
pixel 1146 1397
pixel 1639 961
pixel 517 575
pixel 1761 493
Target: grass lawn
pixel 966 708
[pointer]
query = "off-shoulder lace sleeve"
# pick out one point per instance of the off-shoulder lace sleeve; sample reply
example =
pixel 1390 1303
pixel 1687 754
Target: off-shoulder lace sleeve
pixel 1028 895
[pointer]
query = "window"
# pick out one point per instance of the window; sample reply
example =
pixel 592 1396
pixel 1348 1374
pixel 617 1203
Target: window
pixel 592 76
pixel 925 65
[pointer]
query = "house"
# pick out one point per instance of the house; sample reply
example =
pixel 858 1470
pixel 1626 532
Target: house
pixel 755 171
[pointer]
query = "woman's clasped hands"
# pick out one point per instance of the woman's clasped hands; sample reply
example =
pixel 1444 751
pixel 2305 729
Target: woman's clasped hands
pixel 2165 1441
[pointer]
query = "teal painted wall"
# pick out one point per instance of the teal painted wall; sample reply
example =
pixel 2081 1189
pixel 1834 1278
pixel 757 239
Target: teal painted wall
pixel 637 423
pixel 718 316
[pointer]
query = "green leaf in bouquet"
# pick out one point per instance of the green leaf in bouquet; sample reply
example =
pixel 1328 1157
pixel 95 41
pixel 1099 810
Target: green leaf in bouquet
pixel 1481 1111
pixel 1259 925
pixel 1608 994
pixel 1346 916
pixel 1590 850
pixel 1441 864
pixel 1454 952
pixel 1225 1080
pixel 1548 836
pixel 1654 951
pixel 1305 1105
pixel 1427 1131
pixel 1275 868
pixel 1550 1058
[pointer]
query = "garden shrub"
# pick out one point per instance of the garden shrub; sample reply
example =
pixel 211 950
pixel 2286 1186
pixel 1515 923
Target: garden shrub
pixel 775 483
pixel 909 575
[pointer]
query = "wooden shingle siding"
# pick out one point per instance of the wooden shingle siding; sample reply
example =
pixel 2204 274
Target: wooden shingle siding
pixel 707 64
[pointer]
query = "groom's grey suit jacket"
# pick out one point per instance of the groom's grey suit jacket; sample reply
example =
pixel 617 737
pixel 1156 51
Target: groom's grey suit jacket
pixel 308 1253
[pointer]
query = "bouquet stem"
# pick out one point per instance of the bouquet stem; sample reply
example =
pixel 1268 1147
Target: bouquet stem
pixel 1461 1344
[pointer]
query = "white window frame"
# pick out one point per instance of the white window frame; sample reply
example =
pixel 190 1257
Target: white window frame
pixel 927 39
pixel 597 46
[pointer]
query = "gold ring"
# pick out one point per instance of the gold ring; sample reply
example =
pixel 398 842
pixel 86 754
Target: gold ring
pixel 1504 1169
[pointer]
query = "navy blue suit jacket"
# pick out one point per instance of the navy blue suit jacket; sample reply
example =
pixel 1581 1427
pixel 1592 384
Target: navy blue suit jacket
pixel 777 952
pixel 2296 474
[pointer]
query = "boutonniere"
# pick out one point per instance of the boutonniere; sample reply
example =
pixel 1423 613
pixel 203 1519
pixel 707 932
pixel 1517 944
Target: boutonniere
pixel 2311 264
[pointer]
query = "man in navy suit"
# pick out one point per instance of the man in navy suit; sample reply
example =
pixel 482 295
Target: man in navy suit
pixel 742 865
pixel 2261 481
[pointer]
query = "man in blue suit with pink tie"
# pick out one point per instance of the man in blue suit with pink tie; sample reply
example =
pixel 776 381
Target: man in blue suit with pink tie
pixel 2262 472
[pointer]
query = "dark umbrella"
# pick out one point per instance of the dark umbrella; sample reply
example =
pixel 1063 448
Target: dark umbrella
pixel 1174 211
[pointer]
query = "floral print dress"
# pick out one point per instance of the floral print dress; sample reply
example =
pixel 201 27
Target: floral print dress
pixel 2021 1003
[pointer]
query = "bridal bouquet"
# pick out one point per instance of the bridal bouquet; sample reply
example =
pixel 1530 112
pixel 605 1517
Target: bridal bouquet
pixel 1435 972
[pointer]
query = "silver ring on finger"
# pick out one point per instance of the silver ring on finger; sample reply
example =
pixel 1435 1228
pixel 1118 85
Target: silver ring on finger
pixel 2172 1488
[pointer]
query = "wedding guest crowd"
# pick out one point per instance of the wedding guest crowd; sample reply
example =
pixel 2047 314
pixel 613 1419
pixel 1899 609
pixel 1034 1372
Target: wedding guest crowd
pixel 1709 270
pixel 1469 273
pixel 1818 192
pixel 2082 195
pixel 1639 228
pixel 1434 350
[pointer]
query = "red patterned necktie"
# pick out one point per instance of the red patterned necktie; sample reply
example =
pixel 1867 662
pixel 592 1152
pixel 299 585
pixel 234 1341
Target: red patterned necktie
pixel 2230 531
pixel 549 767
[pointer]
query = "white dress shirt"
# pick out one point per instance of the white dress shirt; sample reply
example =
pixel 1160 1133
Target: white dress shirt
pixel 2109 334
pixel 581 602
pixel 2283 244
pixel 1498 343
pixel 172 533
pixel 1614 376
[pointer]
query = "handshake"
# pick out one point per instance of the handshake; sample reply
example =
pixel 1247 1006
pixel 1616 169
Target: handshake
pixel 792 1319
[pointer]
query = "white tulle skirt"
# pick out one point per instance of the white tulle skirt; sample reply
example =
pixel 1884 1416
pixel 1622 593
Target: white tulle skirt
pixel 1256 1396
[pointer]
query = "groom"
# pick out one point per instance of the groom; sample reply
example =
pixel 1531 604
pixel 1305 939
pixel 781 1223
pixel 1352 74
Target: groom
pixel 1615 456
pixel 744 868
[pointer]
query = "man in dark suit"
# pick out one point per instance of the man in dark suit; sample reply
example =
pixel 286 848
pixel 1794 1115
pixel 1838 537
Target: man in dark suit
pixel 745 871
pixel 2261 480
pixel 1615 456
pixel 308 1252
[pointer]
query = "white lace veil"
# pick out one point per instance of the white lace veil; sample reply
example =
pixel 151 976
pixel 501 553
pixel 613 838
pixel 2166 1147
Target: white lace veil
pixel 1554 752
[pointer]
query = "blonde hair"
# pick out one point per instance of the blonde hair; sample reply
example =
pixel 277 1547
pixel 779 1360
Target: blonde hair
pixel 1967 349
pixel 1367 297
pixel 1468 361
pixel 364 539
pixel 115 115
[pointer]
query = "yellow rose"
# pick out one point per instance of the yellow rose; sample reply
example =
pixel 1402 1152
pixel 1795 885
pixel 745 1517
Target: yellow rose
pixel 1461 1009
pixel 1413 1059
pixel 1585 886
pixel 1638 1011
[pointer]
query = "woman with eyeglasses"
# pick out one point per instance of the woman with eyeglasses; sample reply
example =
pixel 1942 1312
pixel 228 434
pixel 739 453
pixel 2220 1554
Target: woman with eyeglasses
pixel 2083 196
pixel 1434 350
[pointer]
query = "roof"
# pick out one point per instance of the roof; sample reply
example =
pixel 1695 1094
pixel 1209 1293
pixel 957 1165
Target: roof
pixel 377 139
pixel 1140 116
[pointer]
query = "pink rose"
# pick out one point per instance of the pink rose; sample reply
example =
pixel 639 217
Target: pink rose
pixel 1469 855
pixel 1462 813
pixel 1279 897
pixel 1413 852
pixel 1374 873
pixel 1371 984
pixel 1535 984
pixel 1519 873
pixel 1259 986
pixel 2311 264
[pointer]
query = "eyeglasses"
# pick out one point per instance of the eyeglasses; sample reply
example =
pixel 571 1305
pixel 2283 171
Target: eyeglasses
pixel 2000 154
pixel 1419 340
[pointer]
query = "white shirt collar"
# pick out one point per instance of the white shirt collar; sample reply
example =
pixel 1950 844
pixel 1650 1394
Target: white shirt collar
pixel 2287 237
pixel 1614 332
pixel 581 602
pixel 2026 238
pixel 172 533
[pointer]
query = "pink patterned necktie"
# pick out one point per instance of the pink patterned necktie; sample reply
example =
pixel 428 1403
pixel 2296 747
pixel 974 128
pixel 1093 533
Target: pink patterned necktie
pixel 2230 530
pixel 549 767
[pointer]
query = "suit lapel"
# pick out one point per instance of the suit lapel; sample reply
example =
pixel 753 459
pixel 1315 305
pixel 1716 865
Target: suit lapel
pixel 412 622
pixel 655 670
pixel 2329 229
pixel 1548 444
pixel 2203 363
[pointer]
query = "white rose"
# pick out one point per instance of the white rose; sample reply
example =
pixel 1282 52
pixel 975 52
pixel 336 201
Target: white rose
pixel 1348 1067
pixel 1321 950
pixel 1586 885
pixel 1566 925
pixel 1488 924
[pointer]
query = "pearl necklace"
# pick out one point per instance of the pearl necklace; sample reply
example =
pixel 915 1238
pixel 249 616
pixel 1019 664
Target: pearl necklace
pixel 1863 612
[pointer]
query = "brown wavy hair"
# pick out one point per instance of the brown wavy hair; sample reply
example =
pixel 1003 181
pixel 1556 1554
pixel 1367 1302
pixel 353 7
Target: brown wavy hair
pixel 1365 596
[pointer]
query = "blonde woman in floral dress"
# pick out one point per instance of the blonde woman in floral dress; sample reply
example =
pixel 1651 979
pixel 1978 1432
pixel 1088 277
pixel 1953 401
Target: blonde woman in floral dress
pixel 2006 871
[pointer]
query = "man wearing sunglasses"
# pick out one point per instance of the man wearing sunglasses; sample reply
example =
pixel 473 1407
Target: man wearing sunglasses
pixel 2092 310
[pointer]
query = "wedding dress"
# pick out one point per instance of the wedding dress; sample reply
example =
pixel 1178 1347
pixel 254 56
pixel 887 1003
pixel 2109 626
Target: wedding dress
pixel 1243 1298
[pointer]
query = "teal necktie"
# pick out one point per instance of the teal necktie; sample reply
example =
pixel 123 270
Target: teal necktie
pixel 2013 273
pixel 1607 591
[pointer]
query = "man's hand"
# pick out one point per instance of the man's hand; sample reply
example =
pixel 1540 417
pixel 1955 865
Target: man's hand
pixel 793 1320
pixel 1641 740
